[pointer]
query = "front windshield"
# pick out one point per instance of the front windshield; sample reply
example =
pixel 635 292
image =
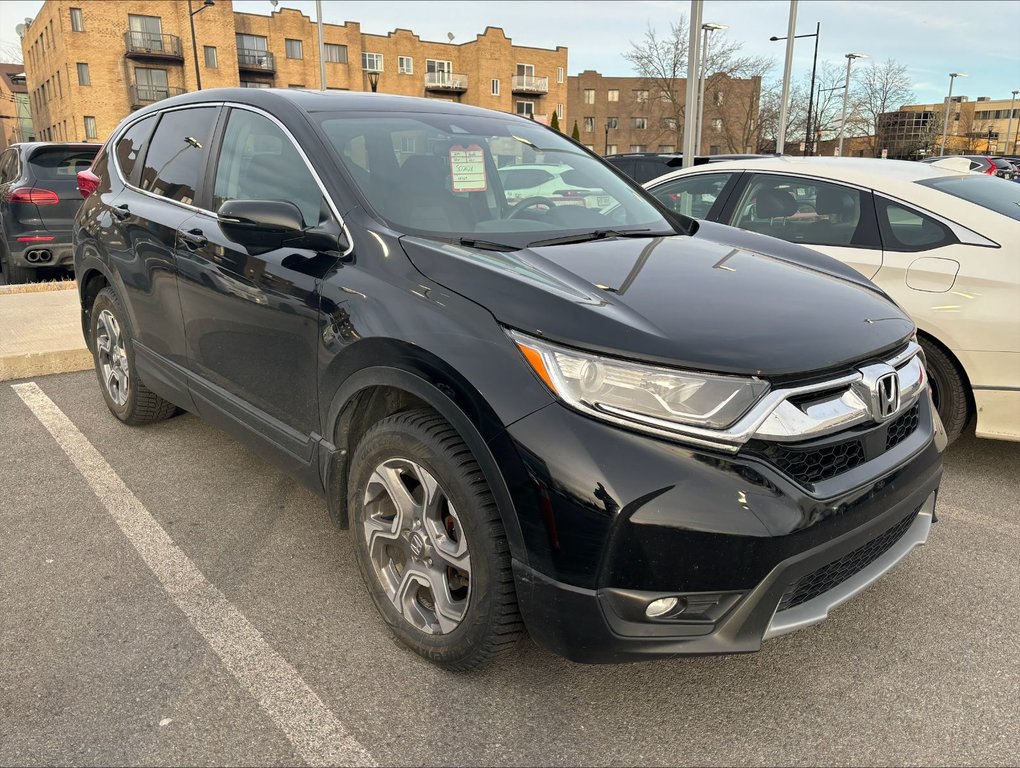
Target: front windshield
pixel 503 181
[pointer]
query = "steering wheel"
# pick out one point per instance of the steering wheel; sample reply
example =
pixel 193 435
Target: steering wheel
pixel 530 202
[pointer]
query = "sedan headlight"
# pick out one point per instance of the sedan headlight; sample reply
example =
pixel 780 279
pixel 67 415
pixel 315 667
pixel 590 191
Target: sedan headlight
pixel 657 397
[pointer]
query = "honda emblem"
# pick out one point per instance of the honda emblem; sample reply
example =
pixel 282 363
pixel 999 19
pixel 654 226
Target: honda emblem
pixel 887 396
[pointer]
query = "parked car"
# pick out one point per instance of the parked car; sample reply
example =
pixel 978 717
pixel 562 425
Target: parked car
pixel 555 182
pixel 943 244
pixel 993 166
pixel 645 166
pixel 38 200
pixel 622 430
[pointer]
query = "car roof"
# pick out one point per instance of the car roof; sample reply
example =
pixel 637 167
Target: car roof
pixel 862 171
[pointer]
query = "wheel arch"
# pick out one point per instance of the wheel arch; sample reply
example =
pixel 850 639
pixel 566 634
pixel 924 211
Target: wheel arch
pixel 961 369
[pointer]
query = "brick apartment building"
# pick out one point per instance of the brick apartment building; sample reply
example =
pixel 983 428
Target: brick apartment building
pixel 634 114
pixel 90 63
pixel 975 127
pixel 15 113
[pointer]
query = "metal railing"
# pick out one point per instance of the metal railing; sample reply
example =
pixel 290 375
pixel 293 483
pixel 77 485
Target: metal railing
pixel 529 84
pixel 445 81
pixel 147 94
pixel 153 44
pixel 252 58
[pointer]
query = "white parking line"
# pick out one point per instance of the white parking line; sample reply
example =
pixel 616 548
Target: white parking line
pixel 313 730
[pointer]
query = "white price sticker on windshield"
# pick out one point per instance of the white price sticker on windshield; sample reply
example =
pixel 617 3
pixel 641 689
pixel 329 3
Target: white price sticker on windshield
pixel 467 169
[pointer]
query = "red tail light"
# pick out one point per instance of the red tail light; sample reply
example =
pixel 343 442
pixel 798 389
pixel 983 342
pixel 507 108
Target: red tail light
pixel 88 182
pixel 35 195
pixel 36 238
pixel 991 167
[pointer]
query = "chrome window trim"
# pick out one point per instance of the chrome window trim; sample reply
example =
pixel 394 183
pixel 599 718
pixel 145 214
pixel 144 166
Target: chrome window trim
pixel 234 105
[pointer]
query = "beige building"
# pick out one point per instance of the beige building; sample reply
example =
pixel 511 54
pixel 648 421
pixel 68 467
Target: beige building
pixel 635 114
pixel 15 113
pixel 90 63
pixel 975 127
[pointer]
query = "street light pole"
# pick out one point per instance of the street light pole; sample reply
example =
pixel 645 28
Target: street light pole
pixel 607 139
pixel 699 127
pixel 949 101
pixel 194 42
pixel 690 84
pixel 811 90
pixel 322 46
pixel 846 97
pixel 1010 144
pixel 787 68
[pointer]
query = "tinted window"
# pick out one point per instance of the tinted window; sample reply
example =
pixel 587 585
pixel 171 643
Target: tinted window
pixel 907 229
pixel 55 163
pixel 800 210
pixel 8 166
pixel 994 194
pixel 129 147
pixel 177 152
pixel 259 162
pixel 692 195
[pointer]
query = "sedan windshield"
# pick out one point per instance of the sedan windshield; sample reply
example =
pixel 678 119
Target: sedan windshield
pixel 989 192
pixel 504 182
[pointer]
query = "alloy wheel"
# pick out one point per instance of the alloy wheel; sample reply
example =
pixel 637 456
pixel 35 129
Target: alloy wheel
pixel 113 362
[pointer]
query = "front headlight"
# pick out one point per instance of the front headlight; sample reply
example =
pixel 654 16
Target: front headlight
pixel 662 398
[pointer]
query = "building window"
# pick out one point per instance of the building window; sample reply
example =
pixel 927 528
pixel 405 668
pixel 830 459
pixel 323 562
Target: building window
pixel 210 56
pixel 77 20
pixel 589 124
pixel 372 62
pixel 669 123
pixel 612 123
pixel 638 148
pixel 253 84
pixel 640 96
pixel 405 65
pixel 559 74
pixel 665 97
pixel 559 111
pixel 613 94
pixel 718 98
pixel 83 74
pixel 639 123
pixel 90 127
pixel 525 108
pixel 717 125
pixel 295 49
pixel 589 95
pixel 667 148
pixel 495 87
pixel 336 54
pixel 611 149
pixel 590 147
pixel 295 85
pixel 145 32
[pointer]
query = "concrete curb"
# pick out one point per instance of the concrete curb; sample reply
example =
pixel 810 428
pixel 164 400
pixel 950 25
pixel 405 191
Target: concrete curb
pixel 34 364
pixel 40 333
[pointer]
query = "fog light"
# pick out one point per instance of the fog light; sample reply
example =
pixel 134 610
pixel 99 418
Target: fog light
pixel 661 607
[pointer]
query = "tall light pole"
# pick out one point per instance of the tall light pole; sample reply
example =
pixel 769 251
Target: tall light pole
pixel 322 46
pixel 1010 144
pixel 194 43
pixel 811 90
pixel 787 69
pixel 846 97
pixel 949 101
pixel 699 126
pixel 690 84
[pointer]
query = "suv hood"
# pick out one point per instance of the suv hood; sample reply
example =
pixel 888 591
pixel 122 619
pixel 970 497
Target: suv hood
pixel 686 301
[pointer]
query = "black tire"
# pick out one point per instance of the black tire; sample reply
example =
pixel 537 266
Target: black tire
pixel 13 274
pixel 948 389
pixel 491 622
pixel 140 405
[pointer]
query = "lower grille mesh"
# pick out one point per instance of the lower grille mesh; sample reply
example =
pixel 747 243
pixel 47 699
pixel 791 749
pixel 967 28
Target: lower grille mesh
pixel 811 466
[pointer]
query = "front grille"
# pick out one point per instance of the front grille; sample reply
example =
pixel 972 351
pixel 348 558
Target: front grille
pixel 902 427
pixel 809 466
pixel 835 573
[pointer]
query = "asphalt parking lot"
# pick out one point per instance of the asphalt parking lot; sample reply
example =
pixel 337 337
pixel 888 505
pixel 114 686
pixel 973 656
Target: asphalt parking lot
pixel 267 649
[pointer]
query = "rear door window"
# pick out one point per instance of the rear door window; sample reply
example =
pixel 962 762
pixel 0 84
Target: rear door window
pixel 907 229
pixel 177 153
pixel 693 195
pixel 60 163
pixel 129 148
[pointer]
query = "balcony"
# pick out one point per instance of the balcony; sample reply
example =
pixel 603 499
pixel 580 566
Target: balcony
pixel 445 81
pixel 253 60
pixel 529 84
pixel 148 94
pixel 152 45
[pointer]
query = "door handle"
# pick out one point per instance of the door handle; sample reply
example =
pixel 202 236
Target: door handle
pixel 194 238
pixel 121 212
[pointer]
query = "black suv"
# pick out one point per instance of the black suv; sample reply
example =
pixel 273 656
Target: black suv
pixel 39 198
pixel 632 433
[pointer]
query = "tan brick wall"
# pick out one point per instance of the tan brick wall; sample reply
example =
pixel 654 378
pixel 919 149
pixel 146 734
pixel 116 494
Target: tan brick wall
pixel 60 105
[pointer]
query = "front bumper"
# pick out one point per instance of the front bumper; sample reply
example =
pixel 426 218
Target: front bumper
pixel 621 519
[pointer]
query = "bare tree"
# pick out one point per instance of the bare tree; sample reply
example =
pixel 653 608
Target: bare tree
pixel 881 87
pixel 10 53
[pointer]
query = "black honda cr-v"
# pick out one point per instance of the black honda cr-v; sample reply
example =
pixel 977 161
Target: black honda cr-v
pixel 631 433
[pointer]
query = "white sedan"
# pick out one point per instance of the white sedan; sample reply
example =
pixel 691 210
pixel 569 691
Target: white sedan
pixel 944 244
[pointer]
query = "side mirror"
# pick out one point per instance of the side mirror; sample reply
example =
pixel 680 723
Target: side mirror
pixel 263 223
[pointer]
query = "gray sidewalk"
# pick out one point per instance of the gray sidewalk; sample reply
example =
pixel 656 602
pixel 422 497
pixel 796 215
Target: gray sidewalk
pixel 40 331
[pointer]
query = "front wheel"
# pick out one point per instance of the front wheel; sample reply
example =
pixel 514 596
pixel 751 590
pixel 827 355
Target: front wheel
pixel 948 390
pixel 429 542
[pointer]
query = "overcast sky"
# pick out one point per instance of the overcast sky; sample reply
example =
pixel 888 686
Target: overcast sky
pixel 930 37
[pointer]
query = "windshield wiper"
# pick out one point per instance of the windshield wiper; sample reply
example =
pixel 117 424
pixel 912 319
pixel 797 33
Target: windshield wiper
pixel 487 245
pixel 598 234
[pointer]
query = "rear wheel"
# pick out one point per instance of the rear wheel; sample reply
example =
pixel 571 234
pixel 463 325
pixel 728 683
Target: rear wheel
pixel 112 350
pixel 948 390
pixel 429 542
pixel 14 274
